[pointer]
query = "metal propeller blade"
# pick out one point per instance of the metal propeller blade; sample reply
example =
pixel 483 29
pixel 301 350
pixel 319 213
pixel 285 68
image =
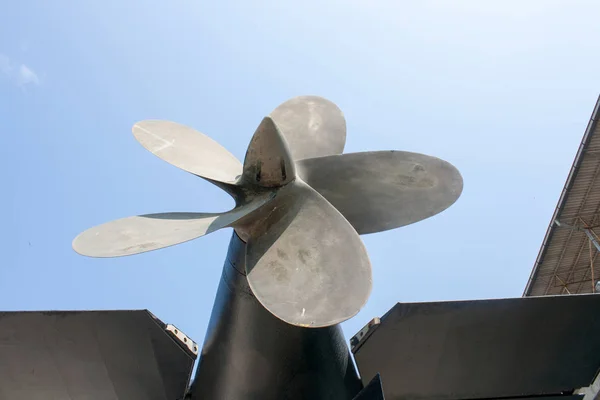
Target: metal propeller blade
pixel 268 162
pixel 301 206
pixel 382 190
pixel 312 126
pixel 142 233
pixel 188 149
pixel 305 263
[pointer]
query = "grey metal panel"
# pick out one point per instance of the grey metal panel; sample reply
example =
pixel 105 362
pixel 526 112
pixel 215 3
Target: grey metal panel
pixel 373 391
pixel 565 397
pixel 250 354
pixel 91 355
pixel 554 397
pixel 486 348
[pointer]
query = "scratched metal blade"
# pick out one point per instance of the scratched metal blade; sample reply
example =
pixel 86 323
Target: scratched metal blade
pixel 312 126
pixel 268 162
pixel 382 190
pixel 304 262
pixel 188 149
pixel 143 233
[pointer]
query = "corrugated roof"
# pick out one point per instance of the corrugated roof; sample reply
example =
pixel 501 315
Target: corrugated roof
pixel 563 263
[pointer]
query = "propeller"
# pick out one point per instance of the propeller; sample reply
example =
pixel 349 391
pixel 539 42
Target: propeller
pixel 300 207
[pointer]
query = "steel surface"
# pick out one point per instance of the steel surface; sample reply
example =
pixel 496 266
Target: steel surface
pixel 306 262
pixel 382 190
pixel 485 348
pixel 90 355
pixel 250 354
pixel 312 126
pixel 268 162
pixel 143 233
pixel 188 150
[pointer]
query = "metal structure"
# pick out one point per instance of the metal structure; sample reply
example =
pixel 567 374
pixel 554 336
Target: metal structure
pixel 296 267
pixel 566 263
pixel 249 353
pixel 92 355
pixel 300 207
pixel 484 349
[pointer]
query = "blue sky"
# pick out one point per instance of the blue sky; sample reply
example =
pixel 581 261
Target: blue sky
pixel 503 90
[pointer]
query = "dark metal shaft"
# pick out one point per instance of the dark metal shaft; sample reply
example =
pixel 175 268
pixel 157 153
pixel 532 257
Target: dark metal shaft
pixel 250 354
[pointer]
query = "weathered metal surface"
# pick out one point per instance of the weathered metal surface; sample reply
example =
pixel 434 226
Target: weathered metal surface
pixel 312 126
pixel 486 348
pixel 305 262
pixel 361 336
pixel 143 233
pixel 250 354
pixel 184 339
pixel 188 149
pixel 90 355
pixel 268 162
pixel 382 190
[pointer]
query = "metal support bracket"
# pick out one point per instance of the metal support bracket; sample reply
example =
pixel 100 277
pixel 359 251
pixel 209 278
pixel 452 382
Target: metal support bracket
pixel 183 338
pixel 362 335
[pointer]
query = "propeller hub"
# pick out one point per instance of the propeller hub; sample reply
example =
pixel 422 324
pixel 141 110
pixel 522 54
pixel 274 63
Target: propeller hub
pixel 305 261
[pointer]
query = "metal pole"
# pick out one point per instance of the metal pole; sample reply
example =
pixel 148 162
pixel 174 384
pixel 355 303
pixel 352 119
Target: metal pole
pixel 592 267
pixel 592 238
pixel 587 231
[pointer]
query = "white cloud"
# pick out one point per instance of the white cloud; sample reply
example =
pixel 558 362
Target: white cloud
pixel 26 76
pixel 21 75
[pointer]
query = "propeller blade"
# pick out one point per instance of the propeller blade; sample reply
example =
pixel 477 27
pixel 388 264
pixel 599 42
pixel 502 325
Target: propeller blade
pixel 268 162
pixel 382 190
pixel 139 234
pixel 304 262
pixel 312 126
pixel 188 149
